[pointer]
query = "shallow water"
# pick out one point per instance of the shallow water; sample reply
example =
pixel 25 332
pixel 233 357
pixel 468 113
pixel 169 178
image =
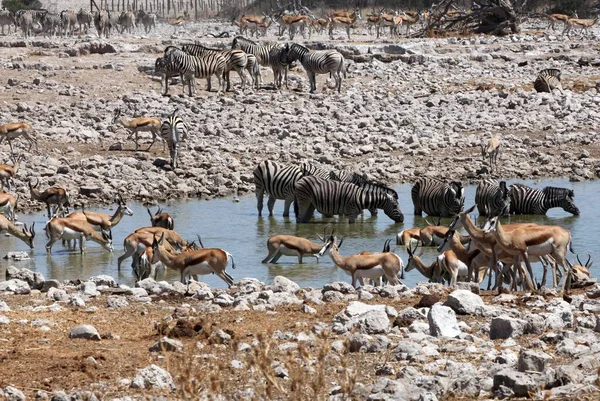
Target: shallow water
pixel 235 227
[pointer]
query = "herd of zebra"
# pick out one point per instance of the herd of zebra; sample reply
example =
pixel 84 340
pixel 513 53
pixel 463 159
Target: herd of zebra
pixel 192 61
pixel 346 193
pixel 67 22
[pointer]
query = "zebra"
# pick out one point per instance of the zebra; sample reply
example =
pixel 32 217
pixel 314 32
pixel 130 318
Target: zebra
pixel 102 23
pixel 436 197
pixel 52 24
pixel 548 80
pixel 527 200
pixel 147 19
pixel 127 22
pixel 348 176
pixel 343 198
pixel 234 60
pixel 7 18
pixel 84 19
pixel 267 55
pixel 492 198
pixel 174 130
pixel 253 68
pixel 316 62
pixel 179 62
pixel 69 19
pixel 168 70
pixel 279 182
pixel 26 23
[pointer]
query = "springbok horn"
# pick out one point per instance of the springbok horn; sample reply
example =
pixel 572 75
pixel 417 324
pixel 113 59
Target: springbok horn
pixel 200 241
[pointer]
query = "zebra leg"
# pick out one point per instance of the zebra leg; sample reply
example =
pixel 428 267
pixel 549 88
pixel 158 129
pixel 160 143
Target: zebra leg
pixel 226 78
pixel 208 84
pixel 164 84
pixel 259 200
pixel 313 81
pixel 271 206
pixel 242 78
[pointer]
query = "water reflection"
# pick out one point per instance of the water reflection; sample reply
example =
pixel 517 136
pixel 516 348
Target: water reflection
pixel 235 227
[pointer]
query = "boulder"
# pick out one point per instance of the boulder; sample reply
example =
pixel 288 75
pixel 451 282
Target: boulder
pixel 464 302
pixel 442 322
pixel 85 331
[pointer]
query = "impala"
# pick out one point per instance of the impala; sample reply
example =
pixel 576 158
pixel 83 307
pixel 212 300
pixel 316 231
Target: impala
pixel 51 196
pixel 102 220
pixel 161 219
pixel 69 229
pixel 290 245
pixel 12 131
pixel 136 242
pixel 371 266
pixel 533 240
pixel 192 263
pixel 433 272
pixel 583 24
pixel 8 172
pixel 347 22
pixel 553 18
pixel 142 266
pixel 8 205
pixel 25 234
pixel 491 152
pixel 580 271
pixel 140 124
pixel 474 259
pixel 409 236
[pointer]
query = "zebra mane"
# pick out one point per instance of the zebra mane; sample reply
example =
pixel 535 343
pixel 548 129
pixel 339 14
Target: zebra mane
pixel 303 48
pixel 556 191
pixel 380 186
pixel 244 40
pixel 168 49
pixel 196 44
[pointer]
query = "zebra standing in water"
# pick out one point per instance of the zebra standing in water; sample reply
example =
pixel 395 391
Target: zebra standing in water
pixel 436 197
pixel 267 55
pixel 316 62
pixel 279 182
pixel 527 200
pixel 332 197
pixel 492 198
pixel 234 59
pixel 174 131
pixel 548 80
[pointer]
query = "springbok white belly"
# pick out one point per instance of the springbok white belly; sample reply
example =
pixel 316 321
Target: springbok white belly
pixel 372 273
pixel 201 268
pixel 69 234
pixel 545 248
pixel 463 270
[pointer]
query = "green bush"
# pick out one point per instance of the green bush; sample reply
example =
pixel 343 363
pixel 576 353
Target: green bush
pixel 15 5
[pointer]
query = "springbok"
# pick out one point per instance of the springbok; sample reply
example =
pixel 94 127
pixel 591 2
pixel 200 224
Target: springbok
pixel 409 236
pixel 136 242
pixel 491 152
pixel 533 240
pixel 371 266
pixel 25 234
pixel 8 172
pixel 583 24
pixel 580 271
pixel 69 229
pixel 12 131
pixel 192 263
pixel 140 124
pixel 161 219
pixel 51 196
pixel 290 245
pixel 8 205
pixel 433 272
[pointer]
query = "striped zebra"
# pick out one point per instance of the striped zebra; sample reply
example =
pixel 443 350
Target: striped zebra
pixel 343 198
pixel 279 182
pixel 348 176
pixel 316 62
pixel 253 68
pixel 102 23
pixel 234 60
pixel 174 130
pixel 146 19
pixel 52 24
pixel 527 200
pixel 127 21
pixel 84 19
pixel 548 80
pixel 177 62
pixel 436 197
pixel 69 20
pixel 7 18
pixel 26 23
pixel 267 55
pixel 492 198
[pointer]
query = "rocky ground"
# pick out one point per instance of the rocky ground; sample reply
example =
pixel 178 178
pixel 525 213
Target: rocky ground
pixel 98 340
pixel 425 113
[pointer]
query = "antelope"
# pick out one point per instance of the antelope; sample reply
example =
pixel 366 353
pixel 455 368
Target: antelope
pixel 553 18
pixel 8 172
pixel 142 268
pixel 102 220
pixel 491 152
pixel 289 245
pixel 433 234
pixel 161 219
pixel 69 229
pixel 408 236
pixel 201 261
pixel 474 259
pixel 373 21
pixel 51 196
pixel 583 24
pixel 347 22
pixel 255 23
pixel 532 240
pixel 580 272
pixel 140 124
pixel 409 18
pixel 318 24
pixel 388 20
pixel 25 234
pixel 371 266
pixel 432 272
pixel 12 131
pixel 291 22
pixel 135 243
pixel 8 205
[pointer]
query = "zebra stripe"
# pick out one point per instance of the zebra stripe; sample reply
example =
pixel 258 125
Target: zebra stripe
pixel 527 200
pixel 548 80
pixel 332 197
pixel 279 182
pixel 7 18
pixel 348 176
pixel 253 68
pixel 26 22
pixel 436 197
pixel 52 24
pixel 174 130
pixel 127 21
pixel 316 62
pixel 102 23
pixel 234 60
pixel 148 20
pixel 84 19
pixel 69 19
pixel 492 198
pixel 267 55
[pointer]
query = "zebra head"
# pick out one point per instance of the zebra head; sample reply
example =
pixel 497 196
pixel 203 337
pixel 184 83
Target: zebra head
pixel 160 65
pixel 391 208
pixel 561 197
